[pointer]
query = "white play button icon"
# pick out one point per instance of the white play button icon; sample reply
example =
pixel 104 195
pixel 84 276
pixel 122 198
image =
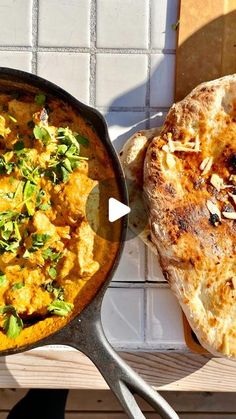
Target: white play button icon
pixel 116 209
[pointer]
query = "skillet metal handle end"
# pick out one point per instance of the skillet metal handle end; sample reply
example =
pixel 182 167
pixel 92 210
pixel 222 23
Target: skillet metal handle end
pixel 122 379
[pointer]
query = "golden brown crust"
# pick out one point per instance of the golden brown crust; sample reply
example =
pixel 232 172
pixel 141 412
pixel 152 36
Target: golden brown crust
pixel 197 245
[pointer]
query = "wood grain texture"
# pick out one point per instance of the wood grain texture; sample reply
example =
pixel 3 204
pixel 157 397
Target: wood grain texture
pixel 114 415
pixel 105 401
pixel 119 415
pixel 206 43
pixel 71 369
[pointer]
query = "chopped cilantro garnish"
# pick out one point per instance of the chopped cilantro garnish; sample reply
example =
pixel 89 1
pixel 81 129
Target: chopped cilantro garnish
pixel 52 272
pixel 3 279
pixel 82 140
pixel 11 180
pixel 17 286
pixel 30 173
pixel 61 149
pixel 64 174
pixel 7 230
pixel 45 207
pixel 38 241
pixel 12 118
pixel 5 166
pixel 54 289
pixel 67 165
pixel 9 246
pixel 17 231
pixel 175 26
pixel 60 308
pixel 13 324
pixel 29 192
pixel 7 216
pixel 66 136
pixel 41 193
pixel 41 133
pixel 40 99
pixel 19 146
pixel 49 254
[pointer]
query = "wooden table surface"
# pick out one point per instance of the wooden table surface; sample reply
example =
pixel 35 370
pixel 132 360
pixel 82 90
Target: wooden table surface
pixel 71 369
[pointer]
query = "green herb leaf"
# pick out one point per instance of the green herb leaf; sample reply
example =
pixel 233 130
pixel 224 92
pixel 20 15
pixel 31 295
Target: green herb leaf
pixel 175 26
pixel 29 191
pixel 66 163
pixel 60 308
pixel 52 272
pixel 62 148
pixel 66 136
pixel 40 99
pixel 9 246
pixel 49 254
pixel 11 180
pixel 64 174
pixel 38 241
pixel 41 193
pixel 8 216
pixel 42 134
pixel 30 173
pixel 45 207
pixel 13 326
pixel 54 289
pixel 7 230
pixel 17 231
pixel 12 118
pixel 3 279
pixel 19 146
pixel 17 286
pixel 82 140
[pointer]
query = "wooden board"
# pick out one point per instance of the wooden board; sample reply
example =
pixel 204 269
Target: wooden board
pixel 73 370
pixel 104 401
pixel 206 47
pixel 94 404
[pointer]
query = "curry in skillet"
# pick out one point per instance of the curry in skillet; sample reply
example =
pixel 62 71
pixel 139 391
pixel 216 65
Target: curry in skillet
pixel 50 161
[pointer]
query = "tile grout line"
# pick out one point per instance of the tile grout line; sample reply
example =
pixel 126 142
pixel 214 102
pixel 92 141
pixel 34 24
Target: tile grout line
pixel 86 50
pixel 92 52
pixel 35 13
pixel 148 84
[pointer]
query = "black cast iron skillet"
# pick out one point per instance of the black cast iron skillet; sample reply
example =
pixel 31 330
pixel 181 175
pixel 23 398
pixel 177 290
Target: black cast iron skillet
pixel 85 331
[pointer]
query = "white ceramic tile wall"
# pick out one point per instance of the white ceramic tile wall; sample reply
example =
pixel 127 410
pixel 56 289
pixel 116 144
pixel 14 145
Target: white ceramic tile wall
pixel 164 319
pixel 64 23
pixel 121 80
pixel 67 69
pixel 123 308
pixel 126 22
pixel 16 59
pixel 119 56
pixel 15 22
pixel 164 14
pixel 162 80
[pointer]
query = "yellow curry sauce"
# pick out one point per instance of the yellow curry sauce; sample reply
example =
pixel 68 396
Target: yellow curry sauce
pixel 51 261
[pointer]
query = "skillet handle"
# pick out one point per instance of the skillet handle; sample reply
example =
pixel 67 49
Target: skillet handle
pixel 121 378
